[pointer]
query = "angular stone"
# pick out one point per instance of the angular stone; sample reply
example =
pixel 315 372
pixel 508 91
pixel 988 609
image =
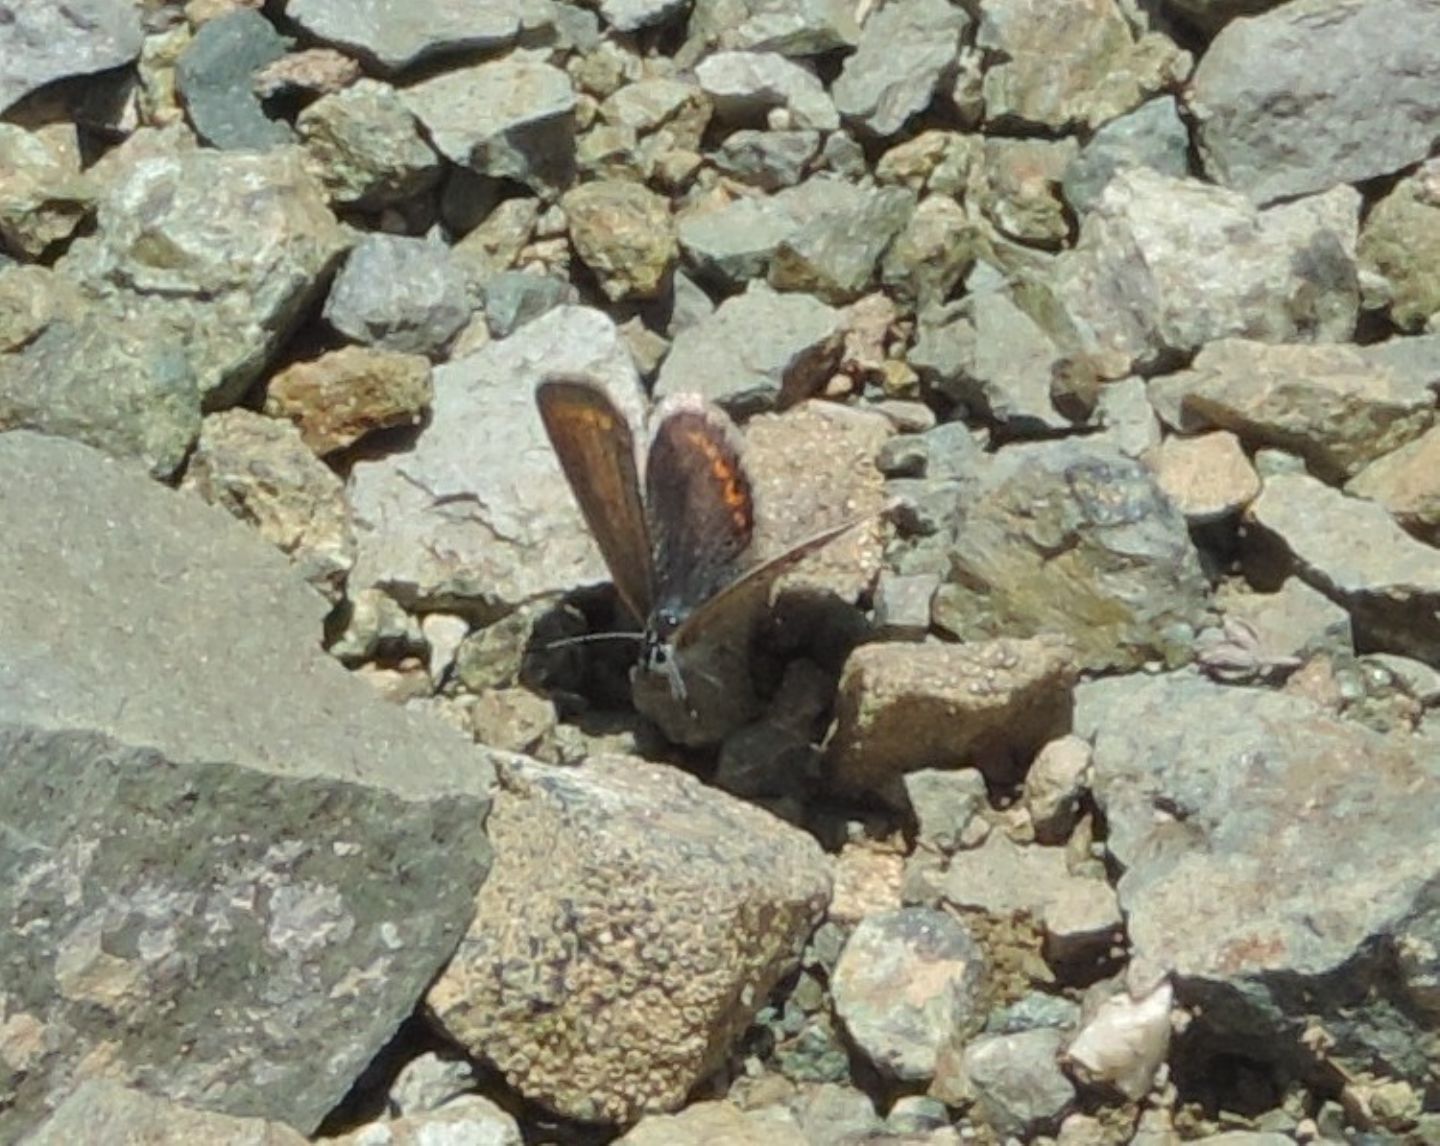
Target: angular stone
pixel 632 15
pixel 904 51
pixel 836 254
pixel 1300 99
pixel 904 707
pixel 259 470
pixel 41 41
pixel 43 195
pixel 1328 404
pixel 790 27
pixel 1163 266
pixel 713 1123
pixel 462 519
pixel 395 36
pixel 1208 477
pixel 509 119
pixel 623 233
pixel 367 147
pixel 225 249
pixel 777 348
pixel 399 293
pixel 129 1114
pixel 194 785
pixel 1153 136
pixel 650 938
pixel 1017 186
pixel 767 159
pixel 1078 64
pixel 932 254
pixel 743 86
pixel 1224 807
pixel 1406 482
pixel 343 395
pixel 215 76
pixel 909 983
pixel 1400 246
pixel 1014 1081
pixel 513 298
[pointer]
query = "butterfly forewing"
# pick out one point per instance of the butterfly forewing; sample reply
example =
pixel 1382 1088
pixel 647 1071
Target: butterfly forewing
pixel 596 449
pixel 700 509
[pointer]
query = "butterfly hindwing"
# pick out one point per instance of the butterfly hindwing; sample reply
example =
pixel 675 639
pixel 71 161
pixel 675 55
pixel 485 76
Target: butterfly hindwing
pixel 700 507
pixel 596 449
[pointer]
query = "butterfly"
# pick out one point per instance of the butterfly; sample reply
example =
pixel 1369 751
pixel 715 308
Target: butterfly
pixel 680 553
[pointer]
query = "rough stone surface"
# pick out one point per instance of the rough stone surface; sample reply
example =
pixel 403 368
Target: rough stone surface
pixel 1015 1081
pixel 1400 247
pixel 775 347
pixel 44 196
pixel 508 118
pixel 904 707
pixel 904 51
pixel 216 78
pixel 1407 483
pixel 253 808
pixel 1224 806
pixel 461 520
pixel 623 233
pixel 398 293
pixel 790 27
pixel 343 395
pixel 1208 477
pixel 395 36
pixel 1302 98
pixel 633 924
pixel 227 250
pixel 716 1124
pixel 743 86
pixel 908 983
pixel 1164 266
pixel 41 41
pixel 1153 136
pixel 260 470
pixel 128 1115
pixel 1329 404
pixel 1070 538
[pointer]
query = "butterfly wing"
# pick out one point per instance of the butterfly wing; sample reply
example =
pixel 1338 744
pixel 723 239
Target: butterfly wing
pixel 596 450
pixel 701 510
pixel 740 592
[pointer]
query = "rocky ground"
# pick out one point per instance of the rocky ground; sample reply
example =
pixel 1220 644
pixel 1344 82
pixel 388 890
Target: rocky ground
pixel 1088 794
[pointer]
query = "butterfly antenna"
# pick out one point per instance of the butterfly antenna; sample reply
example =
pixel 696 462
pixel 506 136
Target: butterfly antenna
pixel 589 638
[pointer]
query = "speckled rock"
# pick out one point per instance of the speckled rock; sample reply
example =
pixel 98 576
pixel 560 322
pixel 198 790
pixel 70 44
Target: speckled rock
pixel 343 395
pixel 1014 1081
pixel 1400 247
pixel 41 42
pixel 790 27
pixel 1330 404
pixel 909 983
pixel 399 293
pixel 259 470
pixel 904 52
pixel 508 118
pixel 904 707
pixel 238 800
pixel 646 953
pixel 367 147
pixel 44 196
pixel 623 234
pixel 1016 185
pixel 1299 99
pixel 394 37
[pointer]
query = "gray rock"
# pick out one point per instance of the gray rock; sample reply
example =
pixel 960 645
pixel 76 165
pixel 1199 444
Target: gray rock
pixel 1084 69
pixel 1293 621
pixel 769 160
pixel 367 147
pixel 227 250
pixel 513 298
pixel 477 516
pixel 1300 99
pixel 260 471
pixel 1163 266
pixel 101 378
pixel 945 801
pixel 1399 250
pixel 126 1113
pixel 509 118
pixel 1328 404
pixel 905 707
pixel 902 605
pixel 632 15
pixel 1073 538
pixel 1054 787
pixel 1225 806
pixel 932 254
pixel 44 196
pixel 185 810
pixel 399 293
pixel 744 86
pixel 1153 136
pixel 789 27
pixel 41 41
pixel 776 348
pixel 651 938
pixel 1347 545
pixel 904 53
pixel 909 984
pixel 215 76
pixel 395 36
pixel 732 245
pixel 1015 1082
pixel 835 251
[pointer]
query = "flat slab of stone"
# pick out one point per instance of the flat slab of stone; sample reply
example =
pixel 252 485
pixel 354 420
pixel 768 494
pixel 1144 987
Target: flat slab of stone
pixel 229 869
pixel 42 41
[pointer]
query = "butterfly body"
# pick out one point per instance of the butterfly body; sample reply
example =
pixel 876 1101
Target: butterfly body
pixel 680 554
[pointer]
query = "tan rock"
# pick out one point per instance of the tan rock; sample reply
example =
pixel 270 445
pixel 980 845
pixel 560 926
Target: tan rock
pixel 1208 477
pixel 341 396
